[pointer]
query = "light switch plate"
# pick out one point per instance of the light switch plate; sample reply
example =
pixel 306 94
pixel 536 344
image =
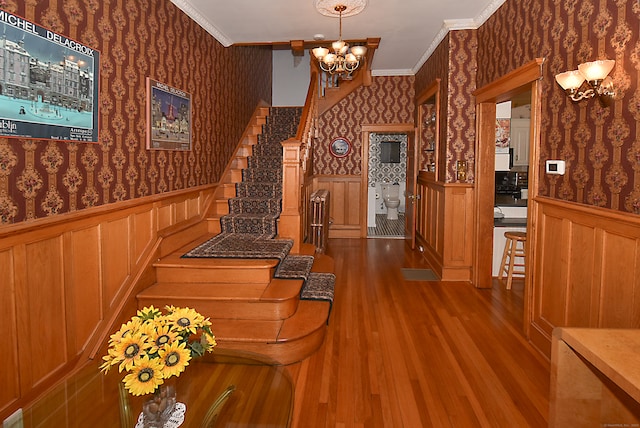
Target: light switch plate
pixel 555 167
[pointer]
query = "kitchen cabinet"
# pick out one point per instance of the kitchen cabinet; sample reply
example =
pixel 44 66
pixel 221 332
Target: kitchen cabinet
pixel 520 130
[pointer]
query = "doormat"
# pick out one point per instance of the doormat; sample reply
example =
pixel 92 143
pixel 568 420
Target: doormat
pixel 418 275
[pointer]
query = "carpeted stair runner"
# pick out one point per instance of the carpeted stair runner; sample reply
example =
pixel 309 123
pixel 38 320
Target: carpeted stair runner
pixel 250 228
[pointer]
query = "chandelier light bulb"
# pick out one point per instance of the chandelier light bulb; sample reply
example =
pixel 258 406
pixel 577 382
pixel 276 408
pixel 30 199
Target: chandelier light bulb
pixel 359 51
pixel 320 53
pixel 330 58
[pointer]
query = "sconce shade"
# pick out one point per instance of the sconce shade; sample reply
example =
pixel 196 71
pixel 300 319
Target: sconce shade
pixel 596 70
pixel 599 84
pixel 570 80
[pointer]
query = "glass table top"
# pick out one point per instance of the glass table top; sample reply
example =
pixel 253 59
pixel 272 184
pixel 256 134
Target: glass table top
pixel 261 395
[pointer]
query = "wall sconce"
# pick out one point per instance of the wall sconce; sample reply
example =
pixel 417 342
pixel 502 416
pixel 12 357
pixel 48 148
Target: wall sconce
pixel 598 83
pixel 461 168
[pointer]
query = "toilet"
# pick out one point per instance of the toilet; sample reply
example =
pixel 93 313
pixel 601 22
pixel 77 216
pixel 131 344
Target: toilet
pixel 391 198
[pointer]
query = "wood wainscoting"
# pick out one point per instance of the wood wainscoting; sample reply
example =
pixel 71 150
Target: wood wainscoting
pixel 444 226
pixel 67 279
pixel 586 270
pixel 345 206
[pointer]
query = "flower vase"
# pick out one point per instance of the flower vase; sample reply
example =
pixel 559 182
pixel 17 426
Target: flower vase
pixel 158 408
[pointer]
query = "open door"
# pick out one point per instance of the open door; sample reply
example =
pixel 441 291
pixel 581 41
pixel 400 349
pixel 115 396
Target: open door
pixel 411 198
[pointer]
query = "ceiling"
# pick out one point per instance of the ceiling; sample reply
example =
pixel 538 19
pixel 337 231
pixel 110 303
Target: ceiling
pixel 409 30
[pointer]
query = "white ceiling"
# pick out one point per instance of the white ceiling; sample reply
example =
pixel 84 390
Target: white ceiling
pixel 409 29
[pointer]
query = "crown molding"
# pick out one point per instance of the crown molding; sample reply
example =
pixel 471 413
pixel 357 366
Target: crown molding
pixel 458 24
pixel 203 22
pixel 394 72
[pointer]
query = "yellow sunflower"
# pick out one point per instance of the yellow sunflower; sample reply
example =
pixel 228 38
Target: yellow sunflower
pixel 148 313
pixel 160 335
pixel 129 328
pixel 145 376
pixel 129 351
pixel 208 340
pixel 186 319
pixel 175 357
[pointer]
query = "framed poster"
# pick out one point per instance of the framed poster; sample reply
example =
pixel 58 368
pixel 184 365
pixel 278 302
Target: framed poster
pixel 168 117
pixel 48 83
pixel 340 147
pixel 503 133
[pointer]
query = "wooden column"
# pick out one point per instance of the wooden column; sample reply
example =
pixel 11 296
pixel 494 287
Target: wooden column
pixel 290 225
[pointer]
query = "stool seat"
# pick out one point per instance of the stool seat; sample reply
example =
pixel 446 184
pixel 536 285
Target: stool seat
pixel 514 256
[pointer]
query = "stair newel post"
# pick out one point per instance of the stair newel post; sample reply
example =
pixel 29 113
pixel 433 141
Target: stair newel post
pixel 290 225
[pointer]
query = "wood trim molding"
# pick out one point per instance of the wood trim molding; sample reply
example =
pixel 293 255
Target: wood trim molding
pixel 367 129
pixel 507 86
pixel 586 273
pixel 524 78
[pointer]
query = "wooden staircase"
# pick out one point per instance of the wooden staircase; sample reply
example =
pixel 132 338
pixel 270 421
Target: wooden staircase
pixel 250 309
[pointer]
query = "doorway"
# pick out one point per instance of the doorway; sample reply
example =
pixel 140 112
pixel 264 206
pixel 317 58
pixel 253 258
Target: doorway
pixel 384 163
pixel 526 78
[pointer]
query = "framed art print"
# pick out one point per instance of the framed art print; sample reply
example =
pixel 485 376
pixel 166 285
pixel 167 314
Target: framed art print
pixel 340 147
pixel 168 117
pixel 48 83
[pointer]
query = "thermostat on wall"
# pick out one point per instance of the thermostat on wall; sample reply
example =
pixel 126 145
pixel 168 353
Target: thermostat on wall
pixel 555 167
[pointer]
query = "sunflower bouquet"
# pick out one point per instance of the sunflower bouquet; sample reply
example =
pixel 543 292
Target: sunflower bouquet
pixel 153 346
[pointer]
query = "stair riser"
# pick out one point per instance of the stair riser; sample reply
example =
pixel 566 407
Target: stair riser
pixel 240 163
pixel 285 353
pixel 265 311
pixel 222 206
pixel 213 225
pixel 218 275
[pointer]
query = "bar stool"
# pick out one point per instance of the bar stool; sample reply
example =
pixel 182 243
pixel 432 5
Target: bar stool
pixel 514 249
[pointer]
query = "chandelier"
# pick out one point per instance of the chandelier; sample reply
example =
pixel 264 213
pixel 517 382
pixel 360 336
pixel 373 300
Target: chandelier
pixel 342 60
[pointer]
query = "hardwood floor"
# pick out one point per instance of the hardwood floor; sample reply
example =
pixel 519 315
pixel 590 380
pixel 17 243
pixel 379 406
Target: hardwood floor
pixel 418 354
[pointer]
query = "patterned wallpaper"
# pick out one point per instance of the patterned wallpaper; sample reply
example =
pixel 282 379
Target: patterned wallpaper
pixel 380 172
pixel 601 146
pixel 389 99
pixel 137 39
pixel 454 62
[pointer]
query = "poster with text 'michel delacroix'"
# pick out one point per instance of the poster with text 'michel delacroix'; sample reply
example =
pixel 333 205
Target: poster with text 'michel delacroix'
pixel 48 83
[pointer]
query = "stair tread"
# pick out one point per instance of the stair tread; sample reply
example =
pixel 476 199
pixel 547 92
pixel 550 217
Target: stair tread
pixel 175 260
pixel 322 263
pixel 310 316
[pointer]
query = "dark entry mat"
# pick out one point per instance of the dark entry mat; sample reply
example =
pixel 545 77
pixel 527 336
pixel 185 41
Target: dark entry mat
pixel 419 274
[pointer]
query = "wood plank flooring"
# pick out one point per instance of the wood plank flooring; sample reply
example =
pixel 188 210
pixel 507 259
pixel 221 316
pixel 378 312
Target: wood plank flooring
pixel 418 354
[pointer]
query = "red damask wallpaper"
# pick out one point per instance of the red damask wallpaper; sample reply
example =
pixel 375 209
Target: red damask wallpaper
pixel 601 146
pixel 137 39
pixel 387 100
pixel 454 63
